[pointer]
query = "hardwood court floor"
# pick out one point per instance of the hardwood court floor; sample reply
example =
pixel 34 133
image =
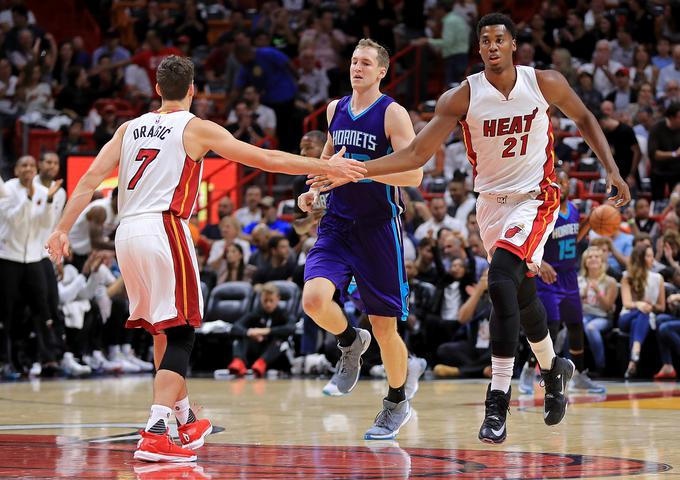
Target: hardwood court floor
pixel 288 429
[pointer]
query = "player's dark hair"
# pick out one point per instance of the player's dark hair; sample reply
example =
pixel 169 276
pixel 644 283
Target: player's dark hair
pixel 497 19
pixel 174 77
pixel 672 109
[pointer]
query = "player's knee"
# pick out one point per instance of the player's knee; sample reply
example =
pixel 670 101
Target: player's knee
pixel 384 329
pixel 178 351
pixel 313 303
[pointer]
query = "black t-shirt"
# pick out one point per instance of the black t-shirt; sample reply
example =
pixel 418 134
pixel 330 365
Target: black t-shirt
pixel 663 138
pixel 621 140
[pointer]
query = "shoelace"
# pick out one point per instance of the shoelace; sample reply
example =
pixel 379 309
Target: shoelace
pixel 383 419
pixel 496 406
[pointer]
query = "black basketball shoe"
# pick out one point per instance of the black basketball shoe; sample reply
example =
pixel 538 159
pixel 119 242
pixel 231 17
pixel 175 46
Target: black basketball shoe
pixel 556 381
pixel 493 427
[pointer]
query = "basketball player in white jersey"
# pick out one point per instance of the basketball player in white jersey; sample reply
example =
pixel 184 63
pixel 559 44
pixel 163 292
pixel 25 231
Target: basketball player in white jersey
pixel 159 157
pixel 504 115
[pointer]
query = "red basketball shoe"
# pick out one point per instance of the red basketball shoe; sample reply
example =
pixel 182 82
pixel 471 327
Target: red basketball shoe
pixel 192 435
pixel 161 448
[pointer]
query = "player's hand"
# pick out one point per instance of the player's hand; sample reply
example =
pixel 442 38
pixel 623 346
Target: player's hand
pixel 306 200
pixel 547 273
pixel 324 184
pixel 57 246
pixel 622 196
pixel 341 168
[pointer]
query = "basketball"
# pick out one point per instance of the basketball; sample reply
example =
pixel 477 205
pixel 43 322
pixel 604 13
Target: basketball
pixel 605 220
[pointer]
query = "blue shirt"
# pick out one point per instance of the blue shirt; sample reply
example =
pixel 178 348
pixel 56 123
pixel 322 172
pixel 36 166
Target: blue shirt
pixel 279 225
pixel 624 244
pixel 270 75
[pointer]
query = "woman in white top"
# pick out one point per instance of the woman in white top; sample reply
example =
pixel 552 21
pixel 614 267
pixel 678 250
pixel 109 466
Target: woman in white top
pixel 598 293
pixel 643 295
pixel 219 258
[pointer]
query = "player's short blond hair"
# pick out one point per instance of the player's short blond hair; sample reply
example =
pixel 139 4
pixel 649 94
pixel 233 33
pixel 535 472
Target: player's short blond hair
pixel 383 55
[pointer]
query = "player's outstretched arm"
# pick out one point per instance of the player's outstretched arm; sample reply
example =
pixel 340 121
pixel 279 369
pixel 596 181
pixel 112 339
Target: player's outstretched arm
pixel 103 165
pixel 451 107
pixel 557 91
pixel 213 137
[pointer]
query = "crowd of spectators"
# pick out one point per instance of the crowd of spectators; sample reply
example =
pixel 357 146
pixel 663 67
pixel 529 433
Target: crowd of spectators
pixel 259 76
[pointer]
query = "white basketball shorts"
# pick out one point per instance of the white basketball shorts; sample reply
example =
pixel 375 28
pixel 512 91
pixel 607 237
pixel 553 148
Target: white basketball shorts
pixel 520 223
pixel 158 262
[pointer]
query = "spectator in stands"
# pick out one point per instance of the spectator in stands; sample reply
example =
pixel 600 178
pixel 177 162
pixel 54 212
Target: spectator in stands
pixel 34 94
pixel 461 201
pixel 672 92
pixel 542 41
pixel 641 22
pixel 598 293
pixel 269 218
pixel 424 263
pixel 105 130
pixel 137 84
pixel 642 223
pixel 642 294
pixel 644 120
pixel 602 67
pixel 225 208
pixel 24 212
pixel 20 21
pixel 439 219
pixel 221 67
pixel 278 265
pixel 157 19
pixel 81 57
pixel 283 37
pixel 624 145
pixel 264 116
pixel 270 71
pixel 312 83
pixel 454 43
pixel 111 48
pixel 378 19
pixel 623 95
pixel 6 15
pixel 668 73
pixel 26 50
pixel 63 62
pixel 562 62
pixel 575 38
pixel 229 233
pixel 663 149
pixel 525 54
pixel 591 97
pixel 76 97
pixel 260 334
pixel 250 212
pixel 245 128
pixel 643 70
pixel 663 56
pixel 668 337
pixel 8 86
pixel 71 142
pixel 605 29
pixel 623 48
pixel 192 26
pixel 107 83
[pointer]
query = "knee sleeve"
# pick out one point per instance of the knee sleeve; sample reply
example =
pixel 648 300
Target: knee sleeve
pixel 178 350
pixel 532 314
pixel 575 333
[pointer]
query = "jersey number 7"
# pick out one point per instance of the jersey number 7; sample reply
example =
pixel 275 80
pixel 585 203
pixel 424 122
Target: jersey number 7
pixel 146 156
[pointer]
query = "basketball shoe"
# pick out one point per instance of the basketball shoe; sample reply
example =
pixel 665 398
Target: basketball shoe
pixel 348 368
pixel 389 421
pixel 160 448
pixel 416 368
pixel 496 405
pixel 582 382
pixel 526 380
pixel 556 381
pixel 192 435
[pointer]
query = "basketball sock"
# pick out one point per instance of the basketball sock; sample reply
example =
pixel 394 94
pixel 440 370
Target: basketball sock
pixel 544 352
pixel 575 335
pixel 158 419
pixel 577 358
pixel 346 338
pixel 501 373
pixel 183 412
pixel 396 395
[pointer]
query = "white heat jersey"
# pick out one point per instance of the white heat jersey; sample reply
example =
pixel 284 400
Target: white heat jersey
pixel 156 174
pixel 509 141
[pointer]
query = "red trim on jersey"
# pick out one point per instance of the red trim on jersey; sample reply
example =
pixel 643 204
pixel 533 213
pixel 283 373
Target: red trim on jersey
pixel 186 191
pixel 511 247
pixel 549 165
pixel 193 311
pixel 467 140
pixel 156 328
pixel 544 216
pixel 177 263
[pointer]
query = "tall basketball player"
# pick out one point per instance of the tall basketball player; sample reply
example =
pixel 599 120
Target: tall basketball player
pixel 159 158
pixel 360 236
pixel 503 111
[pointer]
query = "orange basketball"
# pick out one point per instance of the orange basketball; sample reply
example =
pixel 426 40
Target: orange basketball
pixel 605 220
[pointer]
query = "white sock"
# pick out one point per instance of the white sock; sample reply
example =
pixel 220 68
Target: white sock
pixel 501 373
pixel 544 352
pixel 126 348
pixel 158 419
pixel 182 410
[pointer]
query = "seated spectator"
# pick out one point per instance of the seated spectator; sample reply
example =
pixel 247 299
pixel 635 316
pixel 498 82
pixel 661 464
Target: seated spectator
pixel 590 96
pixel 425 269
pixel 439 219
pixel 217 260
pixel 107 83
pixel 283 37
pixel 622 140
pixel 623 96
pixel 668 73
pixel 225 207
pixel 642 221
pixel 278 265
pixel 642 71
pixel 598 293
pixel 642 294
pixel 663 149
pixel 312 83
pixel 663 56
pixel 8 85
pixel 623 47
pixel 75 96
pixel 620 250
pixel 602 68
pixel 34 94
pixel 668 337
pixel 25 52
pixel 192 26
pixel 250 212
pixel 111 48
pixel 71 142
pixel 260 334
pixel 460 200
pixel 137 84
pixel 269 218
pixel 264 116
pixel 245 128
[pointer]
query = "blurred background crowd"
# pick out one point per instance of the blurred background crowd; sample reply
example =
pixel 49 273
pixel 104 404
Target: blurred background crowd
pixel 265 70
